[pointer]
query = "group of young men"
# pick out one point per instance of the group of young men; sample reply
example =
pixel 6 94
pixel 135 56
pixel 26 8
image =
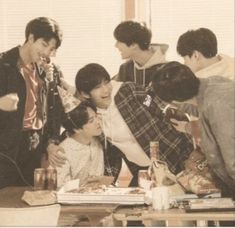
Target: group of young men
pixel 130 105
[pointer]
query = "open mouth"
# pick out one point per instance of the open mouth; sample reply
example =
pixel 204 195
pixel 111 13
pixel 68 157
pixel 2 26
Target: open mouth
pixel 45 59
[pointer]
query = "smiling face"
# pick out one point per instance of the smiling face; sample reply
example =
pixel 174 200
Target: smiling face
pixel 40 48
pixel 125 51
pixel 92 127
pixel 101 95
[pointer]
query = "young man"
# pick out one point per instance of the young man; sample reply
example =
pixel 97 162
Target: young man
pixel 24 133
pixel 131 119
pixel 83 150
pixel 133 41
pixel 199 50
pixel 214 97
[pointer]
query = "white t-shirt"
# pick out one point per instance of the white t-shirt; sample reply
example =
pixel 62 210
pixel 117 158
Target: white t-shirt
pixel 117 132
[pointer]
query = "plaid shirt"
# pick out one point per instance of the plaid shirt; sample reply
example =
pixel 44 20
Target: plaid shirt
pixel 145 120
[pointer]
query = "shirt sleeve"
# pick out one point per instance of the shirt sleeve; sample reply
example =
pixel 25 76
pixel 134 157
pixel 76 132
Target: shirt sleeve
pixel 63 174
pixel 188 108
pixel 218 136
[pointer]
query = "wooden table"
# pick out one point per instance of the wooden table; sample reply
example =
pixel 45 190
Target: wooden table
pixel 70 214
pixel 170 217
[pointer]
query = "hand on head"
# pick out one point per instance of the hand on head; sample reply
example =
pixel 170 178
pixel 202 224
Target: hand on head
pixel 56 156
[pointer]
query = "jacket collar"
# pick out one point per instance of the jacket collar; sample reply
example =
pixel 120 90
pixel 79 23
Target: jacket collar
pixel 12 56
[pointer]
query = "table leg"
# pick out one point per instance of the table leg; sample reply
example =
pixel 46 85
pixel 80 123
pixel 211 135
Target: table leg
pixel 202 223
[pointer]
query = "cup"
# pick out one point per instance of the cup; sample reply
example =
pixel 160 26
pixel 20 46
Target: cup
pixel 160 198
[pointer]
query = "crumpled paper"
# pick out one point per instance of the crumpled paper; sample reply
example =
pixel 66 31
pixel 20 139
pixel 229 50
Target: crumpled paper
pixel 196 183
pixel 37 198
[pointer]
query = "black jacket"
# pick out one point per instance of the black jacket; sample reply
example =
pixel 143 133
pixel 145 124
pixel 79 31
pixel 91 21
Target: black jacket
pixel 11 123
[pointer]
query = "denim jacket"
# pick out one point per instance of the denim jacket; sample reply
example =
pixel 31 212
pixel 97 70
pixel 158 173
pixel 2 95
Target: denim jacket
pixel 216 104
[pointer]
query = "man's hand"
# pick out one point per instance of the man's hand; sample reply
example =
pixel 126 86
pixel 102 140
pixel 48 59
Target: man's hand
pixel 177 118
pixel 173 113
pixel 56 156
pixel 9 102
pixel 48 68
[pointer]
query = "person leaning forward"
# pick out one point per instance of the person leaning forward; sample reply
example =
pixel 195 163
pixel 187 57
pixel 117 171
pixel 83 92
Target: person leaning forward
pixel 138 117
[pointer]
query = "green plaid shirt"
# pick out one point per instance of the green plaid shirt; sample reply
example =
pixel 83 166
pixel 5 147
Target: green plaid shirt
pixel 145 120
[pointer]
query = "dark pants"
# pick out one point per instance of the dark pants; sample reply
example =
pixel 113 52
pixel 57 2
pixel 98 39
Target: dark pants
pixel 29 156
pixel 19 156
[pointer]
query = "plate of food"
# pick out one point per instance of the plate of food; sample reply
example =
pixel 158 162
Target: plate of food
pixel 71 193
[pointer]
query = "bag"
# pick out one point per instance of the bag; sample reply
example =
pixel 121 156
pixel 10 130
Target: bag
pixel 160 174
pixel 197 177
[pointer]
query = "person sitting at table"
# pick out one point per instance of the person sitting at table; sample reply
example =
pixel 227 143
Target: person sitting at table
pixel 214 98
pixel 84 152
pixel 130 122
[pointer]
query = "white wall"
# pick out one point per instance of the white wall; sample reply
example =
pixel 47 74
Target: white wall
pixel 87 26
pixel 171 18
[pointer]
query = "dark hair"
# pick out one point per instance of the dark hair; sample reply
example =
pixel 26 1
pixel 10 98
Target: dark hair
pixel 78 117
pixel 175 81
pixel 202 40
pixel 89 76
pixel 44 27
pixel 130 32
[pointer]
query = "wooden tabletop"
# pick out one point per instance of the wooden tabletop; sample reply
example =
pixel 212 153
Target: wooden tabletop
pixel 70 214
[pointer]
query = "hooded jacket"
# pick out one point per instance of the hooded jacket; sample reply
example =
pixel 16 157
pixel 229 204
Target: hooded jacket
pixel 224 68
pixel 133 72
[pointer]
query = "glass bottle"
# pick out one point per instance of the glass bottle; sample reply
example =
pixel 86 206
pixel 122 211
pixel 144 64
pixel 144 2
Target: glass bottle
pixel 154 156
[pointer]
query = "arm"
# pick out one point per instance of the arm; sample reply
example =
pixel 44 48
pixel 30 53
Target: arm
pixel 223 130
pixel 8 99
pixel 56 155
pixel 188 108
pixel 125 72
pixel 63 174
pixel 218 137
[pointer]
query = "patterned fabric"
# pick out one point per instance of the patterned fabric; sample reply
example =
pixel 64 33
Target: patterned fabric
pixel 68 100
pixel 82 161
pixel 147 123
pixel 112 157
pixel 197 176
